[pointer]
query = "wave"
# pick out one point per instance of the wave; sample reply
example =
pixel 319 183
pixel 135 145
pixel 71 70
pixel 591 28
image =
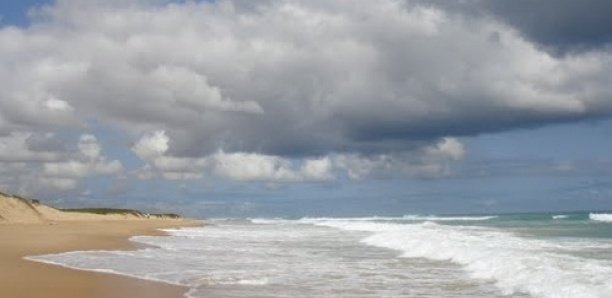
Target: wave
pixel 267 221
pixel 605 217
pixel 314 220
pixel 560 216
pixel 368 218
pixel 448 218
pixel 517 265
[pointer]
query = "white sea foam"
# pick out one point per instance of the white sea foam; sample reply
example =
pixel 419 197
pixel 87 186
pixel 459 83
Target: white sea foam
pixel 265 221
pixel 560 216
pixel 271 221
pixel 369 218
pixel 518 265
pixel 448 218
pixel 409 217
pixel 253 282
pixel 606 217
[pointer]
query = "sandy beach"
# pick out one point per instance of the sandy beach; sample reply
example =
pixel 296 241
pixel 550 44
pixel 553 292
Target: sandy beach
pixel 20 278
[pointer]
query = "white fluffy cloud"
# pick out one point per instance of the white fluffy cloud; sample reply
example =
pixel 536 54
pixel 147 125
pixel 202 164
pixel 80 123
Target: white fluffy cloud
pixel 446 149
pixel 152 148
pixel 57 105
pixel 240 166
pixel 258 167
pixel 427 162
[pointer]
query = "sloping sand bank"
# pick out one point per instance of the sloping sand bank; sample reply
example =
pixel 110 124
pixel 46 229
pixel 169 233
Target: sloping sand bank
pixel 16 209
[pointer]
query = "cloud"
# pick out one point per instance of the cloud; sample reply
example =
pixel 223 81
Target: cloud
pixel 317 169
pixel 239 166
pixel 562 26
pixel 266 168
pixel 79 169
pixel 446 149
pixel 57 105
pixel 32 162
pixel 186 87
pixel 152 148
pixel 558 26
pixel 27 147
pixel 430 162
pixel 285 90
pixel 89 146
pixel 66 174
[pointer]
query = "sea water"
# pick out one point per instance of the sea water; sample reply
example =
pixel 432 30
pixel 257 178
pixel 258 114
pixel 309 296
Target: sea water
pixel 510 255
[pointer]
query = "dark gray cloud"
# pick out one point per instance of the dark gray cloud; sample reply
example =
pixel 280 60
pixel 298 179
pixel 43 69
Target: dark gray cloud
pixel 562 25
pixel 558 26
pixel 45 143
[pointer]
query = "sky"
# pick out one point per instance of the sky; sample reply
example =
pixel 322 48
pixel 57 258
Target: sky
pixel 308 108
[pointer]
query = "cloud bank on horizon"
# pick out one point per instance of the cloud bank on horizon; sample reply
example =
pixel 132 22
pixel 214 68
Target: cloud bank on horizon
pixel 282 91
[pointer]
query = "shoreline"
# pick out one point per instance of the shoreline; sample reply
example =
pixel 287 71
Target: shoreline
pixel 20 277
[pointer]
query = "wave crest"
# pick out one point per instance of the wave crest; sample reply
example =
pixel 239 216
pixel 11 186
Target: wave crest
pixel 605 217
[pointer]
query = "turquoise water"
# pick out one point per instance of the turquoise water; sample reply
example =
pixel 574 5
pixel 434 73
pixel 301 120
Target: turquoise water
pixel 570 224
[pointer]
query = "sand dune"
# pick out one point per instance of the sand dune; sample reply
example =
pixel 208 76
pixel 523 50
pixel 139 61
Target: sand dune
pixel 16 209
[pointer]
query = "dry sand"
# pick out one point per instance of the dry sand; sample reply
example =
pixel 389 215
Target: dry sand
pixel 21 278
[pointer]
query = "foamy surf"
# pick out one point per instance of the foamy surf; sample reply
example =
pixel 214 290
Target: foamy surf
pixel 406 256
pixel 447 218
pixel 516 264
pixel 605 217
pixel 409 217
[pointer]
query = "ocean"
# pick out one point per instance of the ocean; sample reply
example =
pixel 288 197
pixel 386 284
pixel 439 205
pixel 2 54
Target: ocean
pixel 505 255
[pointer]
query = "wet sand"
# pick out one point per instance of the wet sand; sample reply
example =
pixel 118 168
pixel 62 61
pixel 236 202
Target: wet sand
pixel 21 278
